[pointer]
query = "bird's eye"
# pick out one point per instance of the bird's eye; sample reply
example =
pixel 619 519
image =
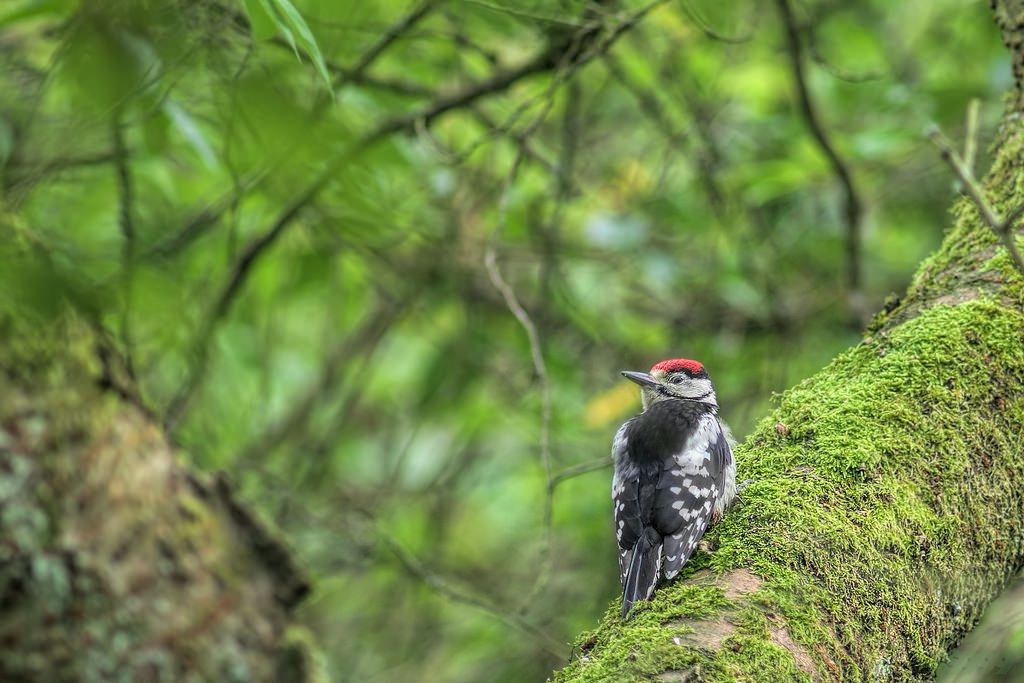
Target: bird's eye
pixel 677 379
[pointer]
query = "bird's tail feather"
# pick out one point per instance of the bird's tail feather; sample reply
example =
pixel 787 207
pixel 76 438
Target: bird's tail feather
pixel 644 566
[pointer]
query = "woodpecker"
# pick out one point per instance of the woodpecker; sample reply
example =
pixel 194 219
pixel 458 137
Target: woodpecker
pixel 674 475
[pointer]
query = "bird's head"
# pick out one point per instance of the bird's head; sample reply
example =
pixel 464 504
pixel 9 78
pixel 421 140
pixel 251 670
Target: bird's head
pixel 674 378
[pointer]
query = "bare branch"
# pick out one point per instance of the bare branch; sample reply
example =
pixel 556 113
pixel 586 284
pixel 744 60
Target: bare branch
pixel 529 14
pixel 971 134
pixel 357 74
pixel 570 55
pixel 1002 228
pixel 393 33
pixel 577 470
pixel 203 220
pixel 444 588
pixel 965 176
pixel 516 308
pixel 539 367
pixel 126 221
pixel 692 14
pixel 396 85
pixel 535 353
pixel 526 146
pixel 462 40
pixel 853 210
pixel 574 53
pixel 646 99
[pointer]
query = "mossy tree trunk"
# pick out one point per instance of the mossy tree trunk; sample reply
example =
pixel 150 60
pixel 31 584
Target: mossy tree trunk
pixel 887 506
pixel 116 562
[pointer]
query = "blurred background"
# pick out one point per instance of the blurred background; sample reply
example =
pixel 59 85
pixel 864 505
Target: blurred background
pixel 382 262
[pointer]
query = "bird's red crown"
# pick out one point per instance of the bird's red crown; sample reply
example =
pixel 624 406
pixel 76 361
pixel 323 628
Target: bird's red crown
pixel 677 364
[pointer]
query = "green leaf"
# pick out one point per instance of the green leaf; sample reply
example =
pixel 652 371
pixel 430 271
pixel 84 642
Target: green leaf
pixel 192 132
pixel 261 19
pixel 33 8
pixel 306 38
pixel 267 15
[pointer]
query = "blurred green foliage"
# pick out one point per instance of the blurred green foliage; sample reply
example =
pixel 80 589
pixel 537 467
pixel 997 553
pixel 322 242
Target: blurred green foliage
pixel 282 211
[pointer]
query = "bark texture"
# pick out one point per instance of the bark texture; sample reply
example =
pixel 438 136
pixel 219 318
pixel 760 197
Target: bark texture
pixel 116 562
pixel 887 506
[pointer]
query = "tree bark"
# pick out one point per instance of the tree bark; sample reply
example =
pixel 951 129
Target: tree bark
pixel 887 501
pixel 116 562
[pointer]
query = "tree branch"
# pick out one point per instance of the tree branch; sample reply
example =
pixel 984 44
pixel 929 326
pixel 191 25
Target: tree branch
pixel 393 33
pixel 574 53
pixel 853 209
pixel 1003 229
pixel 445 589
pixel 126 221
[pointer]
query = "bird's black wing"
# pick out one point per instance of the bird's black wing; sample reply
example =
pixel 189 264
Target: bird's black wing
pixel 721 458
pixel 634 492
pixel 628 525
pixel 690 484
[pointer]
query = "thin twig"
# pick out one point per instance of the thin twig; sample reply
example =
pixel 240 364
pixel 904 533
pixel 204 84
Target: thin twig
pixel 512 302
pixel 393 33
pixel 238 275
pixel 525 144
pixel 971 134
pixel 539 367
pixel 126 192
pixel 516 308
pixel 19 175
pixel 344 75
pixel 204 219
pixel 573 54
pixel 463 41
pixel 577 470
pixel 126 221
pixel 356 74
pixel 502 80
pixel 853 210
pixel 417 568
pixel 441 586
pixel 529 14
pixel 1002 228
pixel 694 16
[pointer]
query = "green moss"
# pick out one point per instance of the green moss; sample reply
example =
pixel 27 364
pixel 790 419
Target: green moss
pixel 882 522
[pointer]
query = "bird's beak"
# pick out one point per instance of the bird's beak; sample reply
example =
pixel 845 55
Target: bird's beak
pixel 641 378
